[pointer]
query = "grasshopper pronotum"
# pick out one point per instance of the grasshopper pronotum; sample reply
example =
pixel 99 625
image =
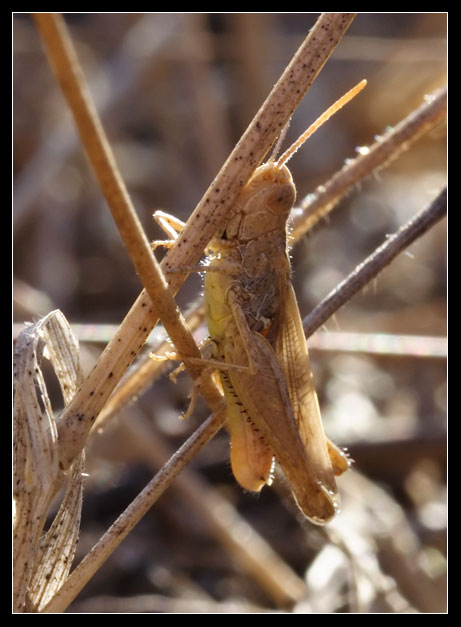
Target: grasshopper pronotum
pixel 258 340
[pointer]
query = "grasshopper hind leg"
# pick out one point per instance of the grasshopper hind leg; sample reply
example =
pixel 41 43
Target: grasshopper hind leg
pixel 252 460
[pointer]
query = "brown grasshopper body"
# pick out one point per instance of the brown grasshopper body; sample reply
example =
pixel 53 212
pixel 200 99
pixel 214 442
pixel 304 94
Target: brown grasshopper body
pixel 254 321
pixel 259 344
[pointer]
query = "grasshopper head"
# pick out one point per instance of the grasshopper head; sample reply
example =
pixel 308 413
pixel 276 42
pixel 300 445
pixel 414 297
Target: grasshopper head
pixel 264 204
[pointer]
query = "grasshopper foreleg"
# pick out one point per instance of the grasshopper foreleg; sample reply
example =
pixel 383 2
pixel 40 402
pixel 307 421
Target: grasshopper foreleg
pixel 173 226
pixel 170 225
pixel 207 360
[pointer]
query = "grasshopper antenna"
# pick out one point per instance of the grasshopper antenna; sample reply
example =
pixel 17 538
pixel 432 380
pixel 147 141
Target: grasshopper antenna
pixel 319 121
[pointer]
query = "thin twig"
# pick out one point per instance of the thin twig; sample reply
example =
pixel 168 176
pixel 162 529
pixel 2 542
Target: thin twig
pixel 61 141
pixel 376 262
pixel 134 512
pixel 243 543
pixel 384 150
pixel 74 433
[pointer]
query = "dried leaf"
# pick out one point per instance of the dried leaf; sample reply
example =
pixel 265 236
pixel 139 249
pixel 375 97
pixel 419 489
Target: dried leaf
pixel 37 476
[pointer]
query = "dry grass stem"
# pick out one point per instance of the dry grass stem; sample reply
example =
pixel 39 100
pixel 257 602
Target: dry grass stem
pixel 134 512
pixel 376 262
pixel 385 149
pixel 62 142
pixel 245 545
pixel 73 434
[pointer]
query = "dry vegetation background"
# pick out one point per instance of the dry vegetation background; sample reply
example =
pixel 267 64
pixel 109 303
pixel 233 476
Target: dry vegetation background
pixel 175 92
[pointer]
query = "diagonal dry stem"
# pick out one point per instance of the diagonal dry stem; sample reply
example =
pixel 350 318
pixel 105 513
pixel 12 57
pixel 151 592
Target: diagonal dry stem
pixel 70 77
pixel 377 261
pixel 133 513
pixel 204 221
pixel 384 150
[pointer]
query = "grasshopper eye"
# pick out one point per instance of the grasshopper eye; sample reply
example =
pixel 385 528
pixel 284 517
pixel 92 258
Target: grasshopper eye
pixel 281 199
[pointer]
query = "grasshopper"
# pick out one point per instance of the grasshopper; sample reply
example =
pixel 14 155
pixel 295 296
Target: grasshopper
pixel 259 345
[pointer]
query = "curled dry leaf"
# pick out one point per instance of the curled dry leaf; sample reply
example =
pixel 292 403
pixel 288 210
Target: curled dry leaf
pixel 42 561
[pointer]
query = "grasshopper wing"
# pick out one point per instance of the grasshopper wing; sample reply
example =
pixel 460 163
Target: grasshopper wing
pixel 266 399
pixel 293 358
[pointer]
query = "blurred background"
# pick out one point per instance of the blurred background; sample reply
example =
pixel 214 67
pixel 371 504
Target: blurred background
pixel 175 92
